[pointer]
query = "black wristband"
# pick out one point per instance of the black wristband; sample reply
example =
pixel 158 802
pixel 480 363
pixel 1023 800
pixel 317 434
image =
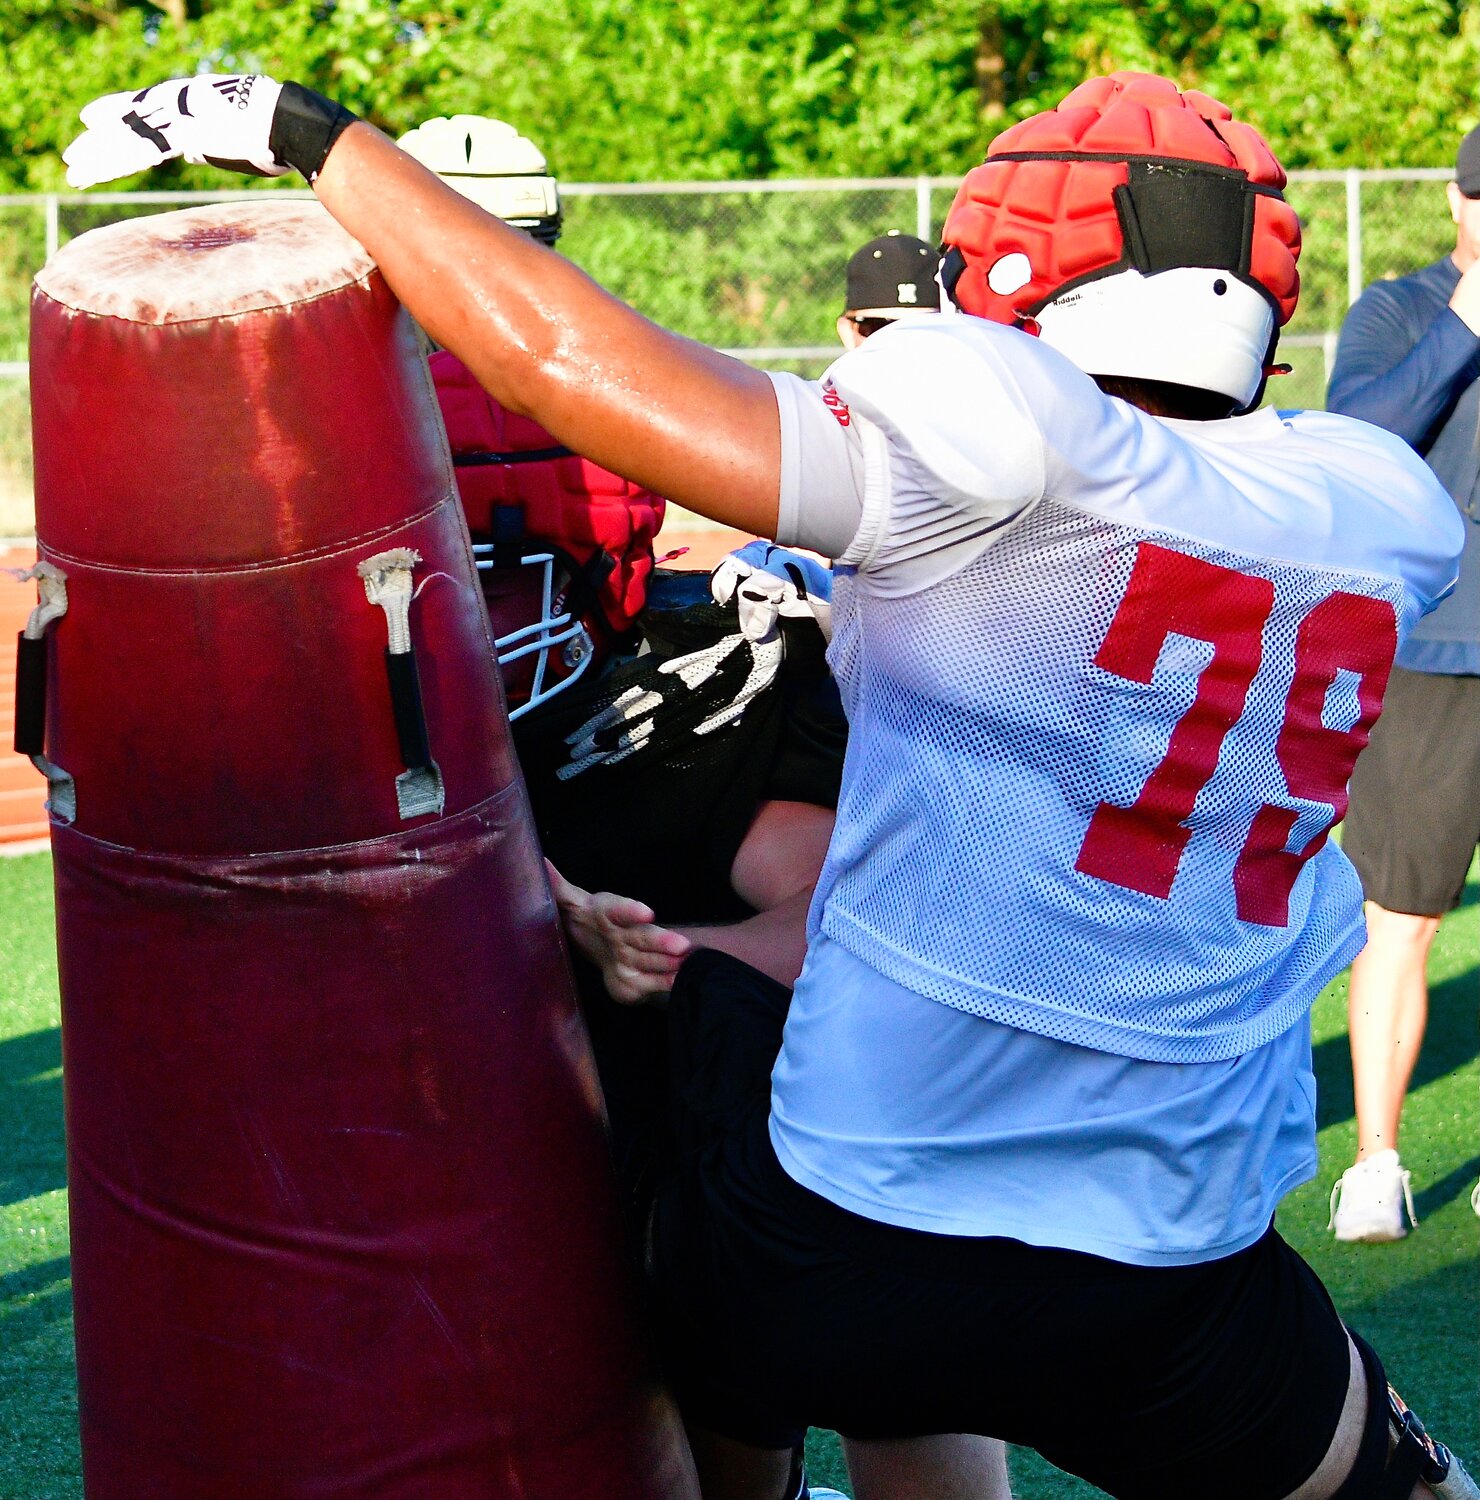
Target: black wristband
pixel 305 126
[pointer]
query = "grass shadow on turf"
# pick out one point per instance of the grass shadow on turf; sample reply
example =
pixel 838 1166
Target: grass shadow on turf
pixel 38 1389
pixel 1436 1195
pixel 1424 1330
pixel 1451 1041
pixel 33 1298
pixel 33 1301
pixel 33 1278
pixel 34 1160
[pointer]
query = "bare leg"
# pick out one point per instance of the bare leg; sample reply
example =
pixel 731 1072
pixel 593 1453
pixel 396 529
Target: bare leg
pixel 1342 1454
pixel 953 1466
pixel 729 1470
pixel 1388 1008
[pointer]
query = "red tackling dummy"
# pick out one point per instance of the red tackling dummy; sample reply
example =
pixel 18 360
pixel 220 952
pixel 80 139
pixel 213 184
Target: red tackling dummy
pixel 343 1223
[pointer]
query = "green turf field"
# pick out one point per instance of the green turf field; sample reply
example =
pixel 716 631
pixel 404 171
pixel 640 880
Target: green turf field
pixel 1417 1300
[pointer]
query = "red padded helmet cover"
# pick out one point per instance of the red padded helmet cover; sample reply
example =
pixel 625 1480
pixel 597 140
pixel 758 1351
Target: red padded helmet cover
pixel 1060 210
pixel 568 501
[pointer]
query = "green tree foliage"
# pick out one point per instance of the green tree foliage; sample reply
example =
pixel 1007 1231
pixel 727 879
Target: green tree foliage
pixel 653 89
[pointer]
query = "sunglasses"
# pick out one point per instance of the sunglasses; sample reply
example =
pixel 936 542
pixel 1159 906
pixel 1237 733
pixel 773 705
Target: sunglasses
pixel 868 326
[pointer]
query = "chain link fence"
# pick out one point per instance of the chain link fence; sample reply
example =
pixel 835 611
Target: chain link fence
pixel 756 268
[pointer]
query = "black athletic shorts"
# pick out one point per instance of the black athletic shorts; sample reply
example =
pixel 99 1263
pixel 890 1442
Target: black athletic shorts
pixel 1414 819
pixel 779 1310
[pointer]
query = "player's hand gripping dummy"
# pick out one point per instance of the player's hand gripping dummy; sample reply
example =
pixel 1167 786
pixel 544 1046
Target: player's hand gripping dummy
pixel 343 1223
pixel 222 119
pixel 664 781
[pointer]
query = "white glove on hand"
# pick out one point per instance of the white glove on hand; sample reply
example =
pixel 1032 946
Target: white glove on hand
pixel 767 581
pixel 223 119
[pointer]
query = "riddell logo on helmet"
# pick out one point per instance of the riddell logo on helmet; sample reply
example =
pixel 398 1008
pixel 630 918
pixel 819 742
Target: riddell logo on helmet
pixel 836 405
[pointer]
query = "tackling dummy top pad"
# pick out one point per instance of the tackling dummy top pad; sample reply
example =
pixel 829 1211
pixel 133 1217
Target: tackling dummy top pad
pixel 223 258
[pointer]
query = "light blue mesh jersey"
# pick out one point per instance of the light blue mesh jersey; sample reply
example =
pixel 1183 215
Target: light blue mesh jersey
pixel 1106 676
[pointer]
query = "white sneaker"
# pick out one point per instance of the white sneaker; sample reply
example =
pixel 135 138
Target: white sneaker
pixel 1368 1202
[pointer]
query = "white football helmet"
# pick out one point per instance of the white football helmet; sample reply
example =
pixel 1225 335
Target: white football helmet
pixel 490 163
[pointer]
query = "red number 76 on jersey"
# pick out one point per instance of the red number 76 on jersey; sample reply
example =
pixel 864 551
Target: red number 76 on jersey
pixel 1172 593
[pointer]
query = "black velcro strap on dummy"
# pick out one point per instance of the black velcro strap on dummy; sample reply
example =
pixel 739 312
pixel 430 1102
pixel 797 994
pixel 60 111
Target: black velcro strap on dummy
pixel 508 536
pixel 406 705
pixel 305 126
pixel 1173 215
pixel 30 695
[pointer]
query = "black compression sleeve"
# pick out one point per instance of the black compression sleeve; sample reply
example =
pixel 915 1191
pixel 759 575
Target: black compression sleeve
pixel 305 126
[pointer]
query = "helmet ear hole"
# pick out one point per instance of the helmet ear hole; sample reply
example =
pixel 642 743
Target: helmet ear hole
pixel 1010 273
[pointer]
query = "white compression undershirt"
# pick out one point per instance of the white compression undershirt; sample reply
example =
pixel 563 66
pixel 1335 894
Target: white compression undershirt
pixel 852 495
pixel 822 459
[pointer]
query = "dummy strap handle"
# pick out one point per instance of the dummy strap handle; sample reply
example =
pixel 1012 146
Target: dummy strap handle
pixel 388 584
pixel 406 705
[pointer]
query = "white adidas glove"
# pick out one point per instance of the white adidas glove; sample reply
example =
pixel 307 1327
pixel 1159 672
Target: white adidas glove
pixel 242 122
pixel 224 119
pixel 767 582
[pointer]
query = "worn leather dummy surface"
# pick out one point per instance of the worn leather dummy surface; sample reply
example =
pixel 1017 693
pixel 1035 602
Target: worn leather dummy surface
pixel 342 1212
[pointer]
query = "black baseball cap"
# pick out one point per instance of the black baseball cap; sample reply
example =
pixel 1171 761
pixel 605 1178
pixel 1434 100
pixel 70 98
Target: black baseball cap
pixel 891 277
pixel 1467 165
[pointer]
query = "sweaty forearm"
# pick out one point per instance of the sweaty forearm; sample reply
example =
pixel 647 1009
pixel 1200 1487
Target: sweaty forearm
pixel 545 339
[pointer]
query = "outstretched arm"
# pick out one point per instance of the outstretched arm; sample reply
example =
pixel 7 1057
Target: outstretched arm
pixel 544 339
